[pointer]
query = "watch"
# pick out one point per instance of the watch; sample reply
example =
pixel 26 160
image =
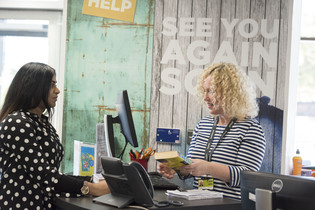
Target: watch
pixel 85 188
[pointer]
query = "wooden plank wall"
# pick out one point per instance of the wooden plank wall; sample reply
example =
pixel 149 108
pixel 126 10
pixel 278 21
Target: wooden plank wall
pixel 181 110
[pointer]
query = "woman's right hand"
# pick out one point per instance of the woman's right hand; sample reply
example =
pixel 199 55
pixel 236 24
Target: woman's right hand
pixel 166 171
pixel 98 189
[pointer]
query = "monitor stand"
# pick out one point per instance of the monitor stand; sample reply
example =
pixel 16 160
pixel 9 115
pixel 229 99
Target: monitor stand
pixel 119 201
pixel 265 199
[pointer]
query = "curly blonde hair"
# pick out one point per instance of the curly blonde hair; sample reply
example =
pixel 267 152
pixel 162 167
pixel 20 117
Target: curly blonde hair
pixel 236 92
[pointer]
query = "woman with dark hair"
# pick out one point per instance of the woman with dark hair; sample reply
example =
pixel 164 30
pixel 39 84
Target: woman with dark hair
pixel 30 149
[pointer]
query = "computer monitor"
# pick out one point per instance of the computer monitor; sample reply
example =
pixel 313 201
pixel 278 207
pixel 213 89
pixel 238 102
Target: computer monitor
pixel 125 120
pixel 273 191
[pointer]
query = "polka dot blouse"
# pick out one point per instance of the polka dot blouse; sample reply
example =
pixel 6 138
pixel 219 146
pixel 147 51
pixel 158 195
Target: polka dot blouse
pixel 30 156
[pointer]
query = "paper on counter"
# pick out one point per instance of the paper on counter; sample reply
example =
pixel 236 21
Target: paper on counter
pixel 194 194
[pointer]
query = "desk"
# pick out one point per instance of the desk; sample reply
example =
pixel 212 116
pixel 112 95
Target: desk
pixel 85 203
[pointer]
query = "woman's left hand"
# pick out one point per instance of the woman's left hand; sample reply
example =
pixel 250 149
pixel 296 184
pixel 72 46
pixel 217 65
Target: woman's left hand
pixel 199 167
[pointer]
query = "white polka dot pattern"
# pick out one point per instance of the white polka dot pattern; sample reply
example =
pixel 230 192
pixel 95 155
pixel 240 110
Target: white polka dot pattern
pixel 30 156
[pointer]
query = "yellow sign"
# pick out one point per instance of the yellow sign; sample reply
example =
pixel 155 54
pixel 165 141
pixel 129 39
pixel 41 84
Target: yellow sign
pixel 114 9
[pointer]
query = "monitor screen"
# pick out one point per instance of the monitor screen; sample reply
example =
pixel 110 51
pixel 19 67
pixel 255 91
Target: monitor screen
pixel 273 191
pixel 124 118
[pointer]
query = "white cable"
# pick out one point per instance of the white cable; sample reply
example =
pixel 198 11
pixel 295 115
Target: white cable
pixel 138 207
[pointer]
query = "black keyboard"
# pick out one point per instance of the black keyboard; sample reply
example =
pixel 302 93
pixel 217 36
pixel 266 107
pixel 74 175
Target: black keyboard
pixel 160 182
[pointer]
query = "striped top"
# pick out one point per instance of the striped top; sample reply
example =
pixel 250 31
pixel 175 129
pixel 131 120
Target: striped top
pixel 242 148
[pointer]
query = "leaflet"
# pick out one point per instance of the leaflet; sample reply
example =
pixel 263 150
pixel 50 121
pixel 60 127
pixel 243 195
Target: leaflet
pixel 194 194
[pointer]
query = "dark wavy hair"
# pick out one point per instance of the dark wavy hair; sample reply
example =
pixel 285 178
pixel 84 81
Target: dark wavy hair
pixel 29 87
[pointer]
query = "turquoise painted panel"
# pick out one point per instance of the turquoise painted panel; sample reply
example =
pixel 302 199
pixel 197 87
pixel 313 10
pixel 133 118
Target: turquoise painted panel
pixel 104 56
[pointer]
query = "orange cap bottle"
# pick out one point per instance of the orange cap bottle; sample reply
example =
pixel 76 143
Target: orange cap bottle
pixel 297 164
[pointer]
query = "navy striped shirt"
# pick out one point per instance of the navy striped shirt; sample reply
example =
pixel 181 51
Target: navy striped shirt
pixel 242 148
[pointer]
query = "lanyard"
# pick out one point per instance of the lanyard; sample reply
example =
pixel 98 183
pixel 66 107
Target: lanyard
pixel 208 153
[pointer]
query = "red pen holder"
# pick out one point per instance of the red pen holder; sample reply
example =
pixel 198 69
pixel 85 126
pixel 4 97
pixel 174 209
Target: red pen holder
pixel 143 162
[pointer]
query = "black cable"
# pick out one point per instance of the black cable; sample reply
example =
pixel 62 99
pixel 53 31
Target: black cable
pixel 122 152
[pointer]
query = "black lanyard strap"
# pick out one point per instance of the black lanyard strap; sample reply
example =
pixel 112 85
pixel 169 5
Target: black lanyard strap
pixel 208 153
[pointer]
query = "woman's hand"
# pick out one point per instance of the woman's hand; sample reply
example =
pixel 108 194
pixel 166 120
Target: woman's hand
pixel 166 171
pixel 199 167
pixel 98 189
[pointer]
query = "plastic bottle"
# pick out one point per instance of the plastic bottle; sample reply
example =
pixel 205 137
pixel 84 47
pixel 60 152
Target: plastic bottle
pixel 297 163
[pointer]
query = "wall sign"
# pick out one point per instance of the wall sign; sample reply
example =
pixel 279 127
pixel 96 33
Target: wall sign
pixel 167 135
pixel 198 51
pixel 114 9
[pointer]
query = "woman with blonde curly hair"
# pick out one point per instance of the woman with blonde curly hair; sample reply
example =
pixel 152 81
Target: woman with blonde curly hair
pixel 228 141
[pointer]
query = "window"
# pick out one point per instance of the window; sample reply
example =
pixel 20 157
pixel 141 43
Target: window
pixel 21 41
pixel 305 117
pixel 30 36
pixel 32 4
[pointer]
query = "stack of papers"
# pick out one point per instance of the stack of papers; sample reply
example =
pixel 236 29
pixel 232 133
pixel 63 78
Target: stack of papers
pixel 194 194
